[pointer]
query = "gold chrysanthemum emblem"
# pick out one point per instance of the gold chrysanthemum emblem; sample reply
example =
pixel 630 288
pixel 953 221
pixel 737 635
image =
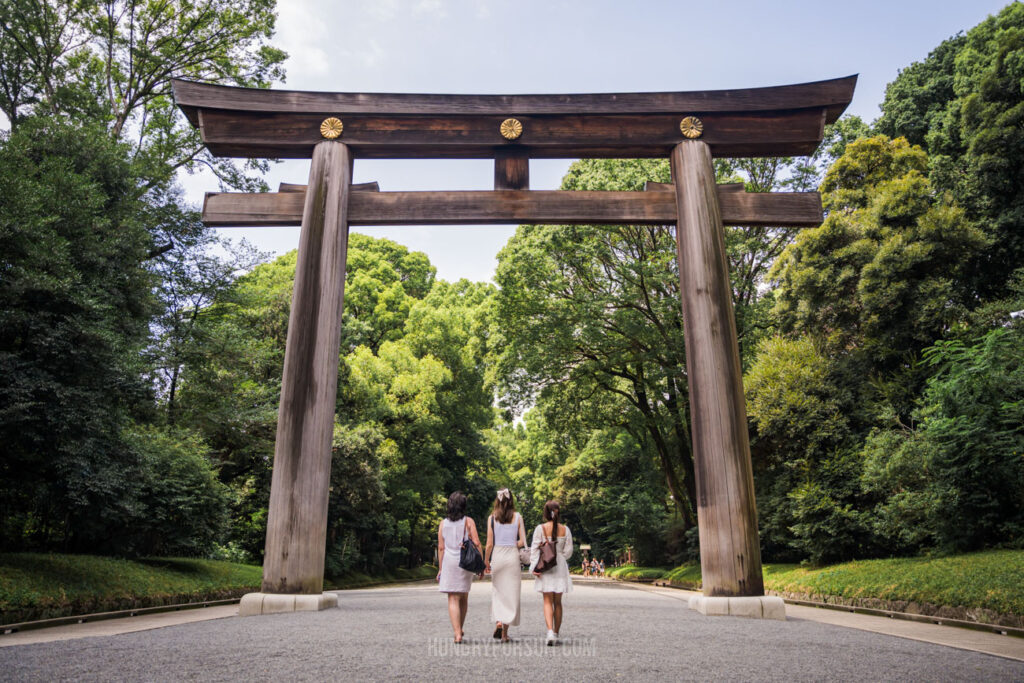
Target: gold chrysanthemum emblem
pixel 691 127
pixel 331 128
pixel 511 129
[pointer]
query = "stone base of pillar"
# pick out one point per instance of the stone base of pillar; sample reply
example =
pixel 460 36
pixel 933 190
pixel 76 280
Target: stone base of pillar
pixel 756 606
pixel 276 603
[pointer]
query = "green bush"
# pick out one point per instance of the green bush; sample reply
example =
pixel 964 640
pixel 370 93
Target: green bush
pixel 632 572
pixel 181 506
pixel 973 426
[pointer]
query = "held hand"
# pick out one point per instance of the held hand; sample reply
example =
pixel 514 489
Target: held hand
pixel 487 567
pixel 536 574
pixel 438 577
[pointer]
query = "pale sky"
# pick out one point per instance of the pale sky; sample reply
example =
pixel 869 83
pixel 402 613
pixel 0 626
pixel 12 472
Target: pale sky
pixel 552 46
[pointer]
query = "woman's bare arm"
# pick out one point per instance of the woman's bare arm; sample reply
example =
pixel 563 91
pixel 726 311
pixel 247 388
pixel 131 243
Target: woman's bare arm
pixel 490 545
pixel 440 548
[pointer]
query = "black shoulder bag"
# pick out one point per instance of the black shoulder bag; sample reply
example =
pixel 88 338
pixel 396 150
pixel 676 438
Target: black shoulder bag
pixel 470 558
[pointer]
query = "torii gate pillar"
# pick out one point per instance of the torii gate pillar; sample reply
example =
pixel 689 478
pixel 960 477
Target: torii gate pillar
pixel 730 554
pixel 293 567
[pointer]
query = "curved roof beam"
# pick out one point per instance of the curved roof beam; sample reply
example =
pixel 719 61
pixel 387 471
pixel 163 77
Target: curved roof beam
pixel 774 121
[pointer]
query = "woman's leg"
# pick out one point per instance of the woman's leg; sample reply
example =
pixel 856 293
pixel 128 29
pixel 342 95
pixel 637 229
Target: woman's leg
pixel 463 609
pixel 454 603
pixel 556 599
pixel 549 610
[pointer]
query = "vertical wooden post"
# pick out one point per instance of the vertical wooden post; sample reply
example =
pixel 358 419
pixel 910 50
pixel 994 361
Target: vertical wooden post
pixel 511 170
pixel 730 552
pixel 297 517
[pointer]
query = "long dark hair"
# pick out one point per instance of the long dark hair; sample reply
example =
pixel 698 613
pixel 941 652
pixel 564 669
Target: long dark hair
pixel 504 507
pixel 456 506
pixel 552 514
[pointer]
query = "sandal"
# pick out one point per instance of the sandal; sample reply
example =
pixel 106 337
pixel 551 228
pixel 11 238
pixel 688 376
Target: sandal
pixel 497 631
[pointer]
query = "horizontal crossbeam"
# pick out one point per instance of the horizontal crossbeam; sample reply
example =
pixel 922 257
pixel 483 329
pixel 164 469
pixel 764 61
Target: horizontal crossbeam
pixel 797 209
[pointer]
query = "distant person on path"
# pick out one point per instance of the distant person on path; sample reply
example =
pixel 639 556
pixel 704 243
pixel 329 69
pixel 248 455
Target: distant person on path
pixel 600 567
pixel 585 567
pixel 593 567
pixel 453 579
pixel 506 534
pixel 555 582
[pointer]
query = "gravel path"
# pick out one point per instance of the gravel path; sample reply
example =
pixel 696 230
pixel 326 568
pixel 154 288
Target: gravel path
pixel 610 631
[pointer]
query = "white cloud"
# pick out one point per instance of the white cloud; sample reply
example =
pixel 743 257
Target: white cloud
pixel 432 7
pixel 382 10
pixel 300 33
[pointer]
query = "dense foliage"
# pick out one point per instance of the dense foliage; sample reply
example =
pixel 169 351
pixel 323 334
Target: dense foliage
pixel 141 356
pixel 412 402
pixel 964 105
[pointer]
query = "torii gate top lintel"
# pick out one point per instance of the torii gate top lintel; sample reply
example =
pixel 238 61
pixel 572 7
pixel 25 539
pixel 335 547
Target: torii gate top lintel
pixel 783 120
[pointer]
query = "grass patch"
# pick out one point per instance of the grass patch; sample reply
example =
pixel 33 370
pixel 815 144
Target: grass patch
pixel 992 580
pixel 43 586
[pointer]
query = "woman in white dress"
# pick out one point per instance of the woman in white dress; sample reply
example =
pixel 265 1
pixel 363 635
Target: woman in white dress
pixel 453 579
pixel 506 534
pixel 555 582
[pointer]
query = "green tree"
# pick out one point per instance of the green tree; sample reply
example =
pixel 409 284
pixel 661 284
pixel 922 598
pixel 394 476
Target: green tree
pixel 411 402
pixel 879 280
pixel 180 507
pixel 110 62
pixel 75 301
pixel 807 493
pixel 965 105
pixel 971 421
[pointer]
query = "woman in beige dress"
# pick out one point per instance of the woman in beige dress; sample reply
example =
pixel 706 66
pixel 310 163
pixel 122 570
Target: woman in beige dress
pixel 506 534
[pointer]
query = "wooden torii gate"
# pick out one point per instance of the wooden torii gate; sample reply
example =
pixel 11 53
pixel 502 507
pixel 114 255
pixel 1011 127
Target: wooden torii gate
pixel 689 127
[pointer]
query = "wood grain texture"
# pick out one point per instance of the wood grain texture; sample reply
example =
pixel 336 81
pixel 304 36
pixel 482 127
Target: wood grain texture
pixel 293 135
pixel 834 95
pixel 297 515
pixel 730 553
pixel 511 171
pixel 652 186
pixel 798 209
pixel 356 187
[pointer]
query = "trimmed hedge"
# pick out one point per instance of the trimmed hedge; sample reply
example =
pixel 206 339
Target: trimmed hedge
pixel 43 586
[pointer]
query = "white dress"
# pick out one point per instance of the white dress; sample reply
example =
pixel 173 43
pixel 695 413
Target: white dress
pixel 506 573
pixel 554 580
pixel 454 579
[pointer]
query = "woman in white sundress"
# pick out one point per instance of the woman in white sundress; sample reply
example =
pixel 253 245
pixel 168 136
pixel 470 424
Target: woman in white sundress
pixel 506 534
pixel 555 582
pixel 453 579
